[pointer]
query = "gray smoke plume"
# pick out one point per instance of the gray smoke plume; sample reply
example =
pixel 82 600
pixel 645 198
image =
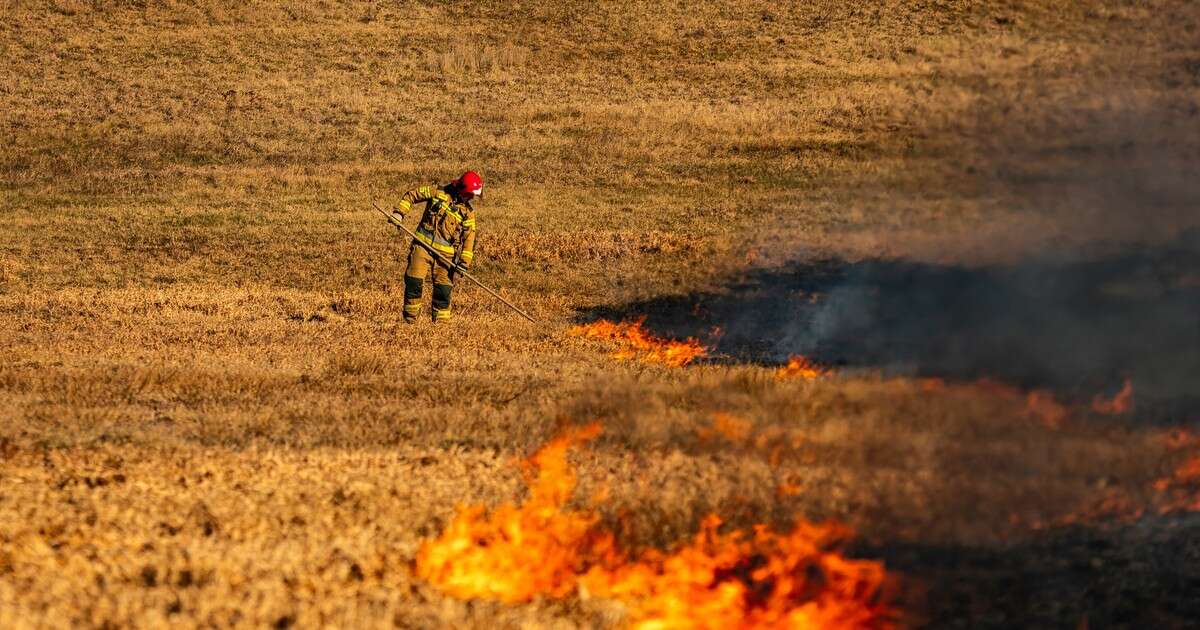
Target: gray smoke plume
pixel 1113 294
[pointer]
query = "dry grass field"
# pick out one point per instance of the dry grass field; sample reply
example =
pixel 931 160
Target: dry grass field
pixel 978 218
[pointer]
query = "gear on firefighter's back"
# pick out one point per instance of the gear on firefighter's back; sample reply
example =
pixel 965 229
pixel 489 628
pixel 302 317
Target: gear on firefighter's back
pixel 448 227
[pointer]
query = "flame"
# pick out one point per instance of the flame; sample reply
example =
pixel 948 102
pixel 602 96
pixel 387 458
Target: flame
pixel 518 551
pixel 1181 491
pixel 1179 438
pixel 1177 492
pixel 741 580
pixel 1043 406
pixel 1115 505
pixel 638 342
pixel 1121 403
pixel 1189 472
pixel 1039 404
pixel 735 579
pixel 800 367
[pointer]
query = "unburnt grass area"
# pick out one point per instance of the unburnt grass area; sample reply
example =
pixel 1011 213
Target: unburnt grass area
pixel 973 218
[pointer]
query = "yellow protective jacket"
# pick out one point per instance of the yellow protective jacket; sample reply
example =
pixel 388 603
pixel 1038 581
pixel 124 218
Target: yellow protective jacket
pixel 446 226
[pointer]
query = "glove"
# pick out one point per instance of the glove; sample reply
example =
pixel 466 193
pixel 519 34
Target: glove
pixel 397 214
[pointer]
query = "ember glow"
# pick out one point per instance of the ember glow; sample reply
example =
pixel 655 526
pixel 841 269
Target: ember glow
pixel 638 343
pixel 1119 404
pixel 800 367
pixel 1045 408
pixel 1041 405
pixel 1176 492
pixel 1180 492
pixel 732 579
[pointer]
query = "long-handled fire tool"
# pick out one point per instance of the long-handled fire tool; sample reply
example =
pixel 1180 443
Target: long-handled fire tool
pixel 450 265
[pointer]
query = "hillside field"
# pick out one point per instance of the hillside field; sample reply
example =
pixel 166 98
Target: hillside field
pixel 980 221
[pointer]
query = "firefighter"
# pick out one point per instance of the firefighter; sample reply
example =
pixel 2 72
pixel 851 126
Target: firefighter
pixel 448 227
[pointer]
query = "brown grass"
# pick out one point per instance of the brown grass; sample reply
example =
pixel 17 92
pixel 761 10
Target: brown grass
pixel 212 413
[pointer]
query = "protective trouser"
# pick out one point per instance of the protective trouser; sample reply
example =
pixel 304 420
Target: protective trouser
pixel 420 262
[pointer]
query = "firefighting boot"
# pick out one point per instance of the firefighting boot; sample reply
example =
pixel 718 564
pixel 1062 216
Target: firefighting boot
pixel 441 302
pixel 412 298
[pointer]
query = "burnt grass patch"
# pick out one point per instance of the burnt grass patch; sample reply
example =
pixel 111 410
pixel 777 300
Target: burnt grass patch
pixel 1141 575
pixel 1077 327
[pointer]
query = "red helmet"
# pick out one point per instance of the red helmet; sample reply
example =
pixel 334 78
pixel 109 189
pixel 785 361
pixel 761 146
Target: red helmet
pixel 470 184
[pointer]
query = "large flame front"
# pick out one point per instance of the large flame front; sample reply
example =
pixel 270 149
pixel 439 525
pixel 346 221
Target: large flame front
pixel 764 580
pixel 519 552
pixel 638 342
pixel 736 579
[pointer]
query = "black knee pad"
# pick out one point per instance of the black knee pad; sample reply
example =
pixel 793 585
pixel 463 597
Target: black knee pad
pixel 441 296
pixel 412 287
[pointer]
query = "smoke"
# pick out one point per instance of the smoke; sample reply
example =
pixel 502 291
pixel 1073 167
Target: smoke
pixel 1104 286
pixel 1109 289
pixel 1078 327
